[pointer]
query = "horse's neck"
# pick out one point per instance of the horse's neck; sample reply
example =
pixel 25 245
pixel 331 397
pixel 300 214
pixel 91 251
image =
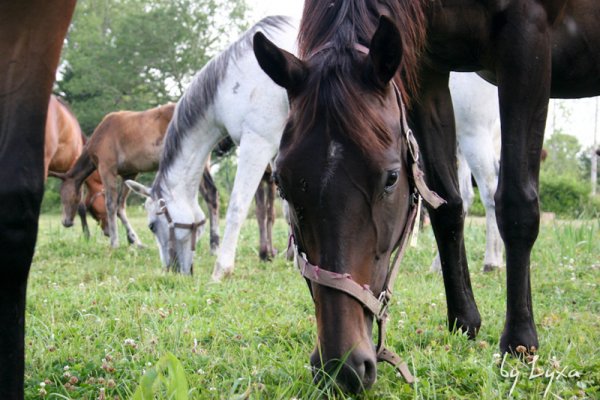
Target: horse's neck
pixel 182 177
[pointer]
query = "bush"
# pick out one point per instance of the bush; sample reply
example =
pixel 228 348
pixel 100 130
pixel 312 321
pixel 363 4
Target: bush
pixel 51 202
pixel 566 197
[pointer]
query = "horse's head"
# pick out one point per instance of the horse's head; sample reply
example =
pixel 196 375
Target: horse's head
pixel 70 197
pixel 342 169
pixel 177 224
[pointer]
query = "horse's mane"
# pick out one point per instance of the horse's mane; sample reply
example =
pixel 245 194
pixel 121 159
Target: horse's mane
pixel 356 20
pixel 328 34
pixel 201 93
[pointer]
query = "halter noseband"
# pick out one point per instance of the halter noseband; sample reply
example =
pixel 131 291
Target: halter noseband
pixel 378 305
pixel 193 227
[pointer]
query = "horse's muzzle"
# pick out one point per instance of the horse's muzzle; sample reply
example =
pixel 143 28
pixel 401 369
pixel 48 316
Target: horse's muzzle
pixel 353 374
pixel 67 223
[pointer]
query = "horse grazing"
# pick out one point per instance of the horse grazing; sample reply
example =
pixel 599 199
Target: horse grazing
pixel 229 96
pixel 64 142
pixel 31 37
pixel 532 49
pixel 124 144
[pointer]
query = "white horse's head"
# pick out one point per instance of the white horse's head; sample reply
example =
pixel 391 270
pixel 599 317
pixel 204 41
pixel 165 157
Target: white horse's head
pixel 176 222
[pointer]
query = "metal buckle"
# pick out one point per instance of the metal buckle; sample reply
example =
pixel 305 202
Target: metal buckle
pixel 162 206
pixel 384 299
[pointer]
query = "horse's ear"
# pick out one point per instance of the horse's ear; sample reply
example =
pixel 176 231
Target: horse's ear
pixel 284 68
pixel 138 188
pixel 58 175
pixel 385 54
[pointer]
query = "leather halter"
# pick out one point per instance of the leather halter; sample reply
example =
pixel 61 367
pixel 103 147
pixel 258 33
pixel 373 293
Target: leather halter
pixel 193 227
pixel 378 304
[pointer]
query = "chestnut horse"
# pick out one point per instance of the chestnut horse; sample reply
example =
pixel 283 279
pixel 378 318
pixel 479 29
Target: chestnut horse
pixel 31 37
pixel 64 141
pixel 532 49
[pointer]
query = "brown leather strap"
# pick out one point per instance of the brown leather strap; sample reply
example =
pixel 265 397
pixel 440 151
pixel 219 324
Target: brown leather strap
pixel 432 198
pixel 193 227
pixel 385 355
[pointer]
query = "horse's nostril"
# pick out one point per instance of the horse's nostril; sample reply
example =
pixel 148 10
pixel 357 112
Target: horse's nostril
pixel 370 375
pixel 356 374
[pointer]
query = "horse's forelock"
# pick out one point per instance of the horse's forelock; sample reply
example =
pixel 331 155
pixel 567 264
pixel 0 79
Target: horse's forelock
pixel 336 96
pixel 328 21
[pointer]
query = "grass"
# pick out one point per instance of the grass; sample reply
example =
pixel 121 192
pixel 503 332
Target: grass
pixel 97 319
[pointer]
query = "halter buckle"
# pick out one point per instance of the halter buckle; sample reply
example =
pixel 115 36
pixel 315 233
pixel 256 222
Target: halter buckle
pixel 162 206
pixel 384 299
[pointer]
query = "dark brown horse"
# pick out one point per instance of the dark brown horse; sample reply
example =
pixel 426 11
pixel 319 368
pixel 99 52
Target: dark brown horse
pixel 31 37
pixel 64 142
pixel 532 49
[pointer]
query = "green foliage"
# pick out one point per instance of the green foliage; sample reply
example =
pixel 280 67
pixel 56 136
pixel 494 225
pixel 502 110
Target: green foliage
pixel 134 55
pixel 51 202
pixel 166 378
pixel 477 209
pixel 562 159
pixel 566 196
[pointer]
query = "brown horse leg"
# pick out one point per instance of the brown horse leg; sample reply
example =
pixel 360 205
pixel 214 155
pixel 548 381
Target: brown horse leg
pixel 434 120
pixel 261 219
pixel 31 36
pixel 109 180
pixel 524 89
pixel 210 194
pixel 132 237
pixel 82 216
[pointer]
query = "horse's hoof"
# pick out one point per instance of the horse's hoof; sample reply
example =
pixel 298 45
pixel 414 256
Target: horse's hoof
pixel 491 268
pixel 469 325
pixel 221 273
pixel 519 340
pixel 265 255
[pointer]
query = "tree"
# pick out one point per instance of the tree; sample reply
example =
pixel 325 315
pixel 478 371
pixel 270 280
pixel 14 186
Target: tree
pixel 562 157
pixel 134 54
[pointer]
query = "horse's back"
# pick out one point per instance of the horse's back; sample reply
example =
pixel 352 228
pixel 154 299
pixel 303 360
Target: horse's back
pixel 260 104
pixel 64 139
pixel 130 141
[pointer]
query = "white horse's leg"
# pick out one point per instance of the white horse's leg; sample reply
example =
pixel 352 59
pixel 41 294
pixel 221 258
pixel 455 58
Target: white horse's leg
pixel 480 152
pixel 124 190
pixel 254 154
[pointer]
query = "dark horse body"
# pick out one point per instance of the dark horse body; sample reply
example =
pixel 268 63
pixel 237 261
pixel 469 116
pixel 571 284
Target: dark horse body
pixel 31 37
pixel 532 49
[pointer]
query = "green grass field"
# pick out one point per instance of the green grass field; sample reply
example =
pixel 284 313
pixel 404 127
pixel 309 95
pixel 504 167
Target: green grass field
pixel 97 319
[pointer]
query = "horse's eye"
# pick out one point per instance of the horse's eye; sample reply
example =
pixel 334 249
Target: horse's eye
pixel 152 226
pixel 392 178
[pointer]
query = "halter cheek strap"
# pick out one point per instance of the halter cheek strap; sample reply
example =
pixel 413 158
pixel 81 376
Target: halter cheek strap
pixel 193 227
